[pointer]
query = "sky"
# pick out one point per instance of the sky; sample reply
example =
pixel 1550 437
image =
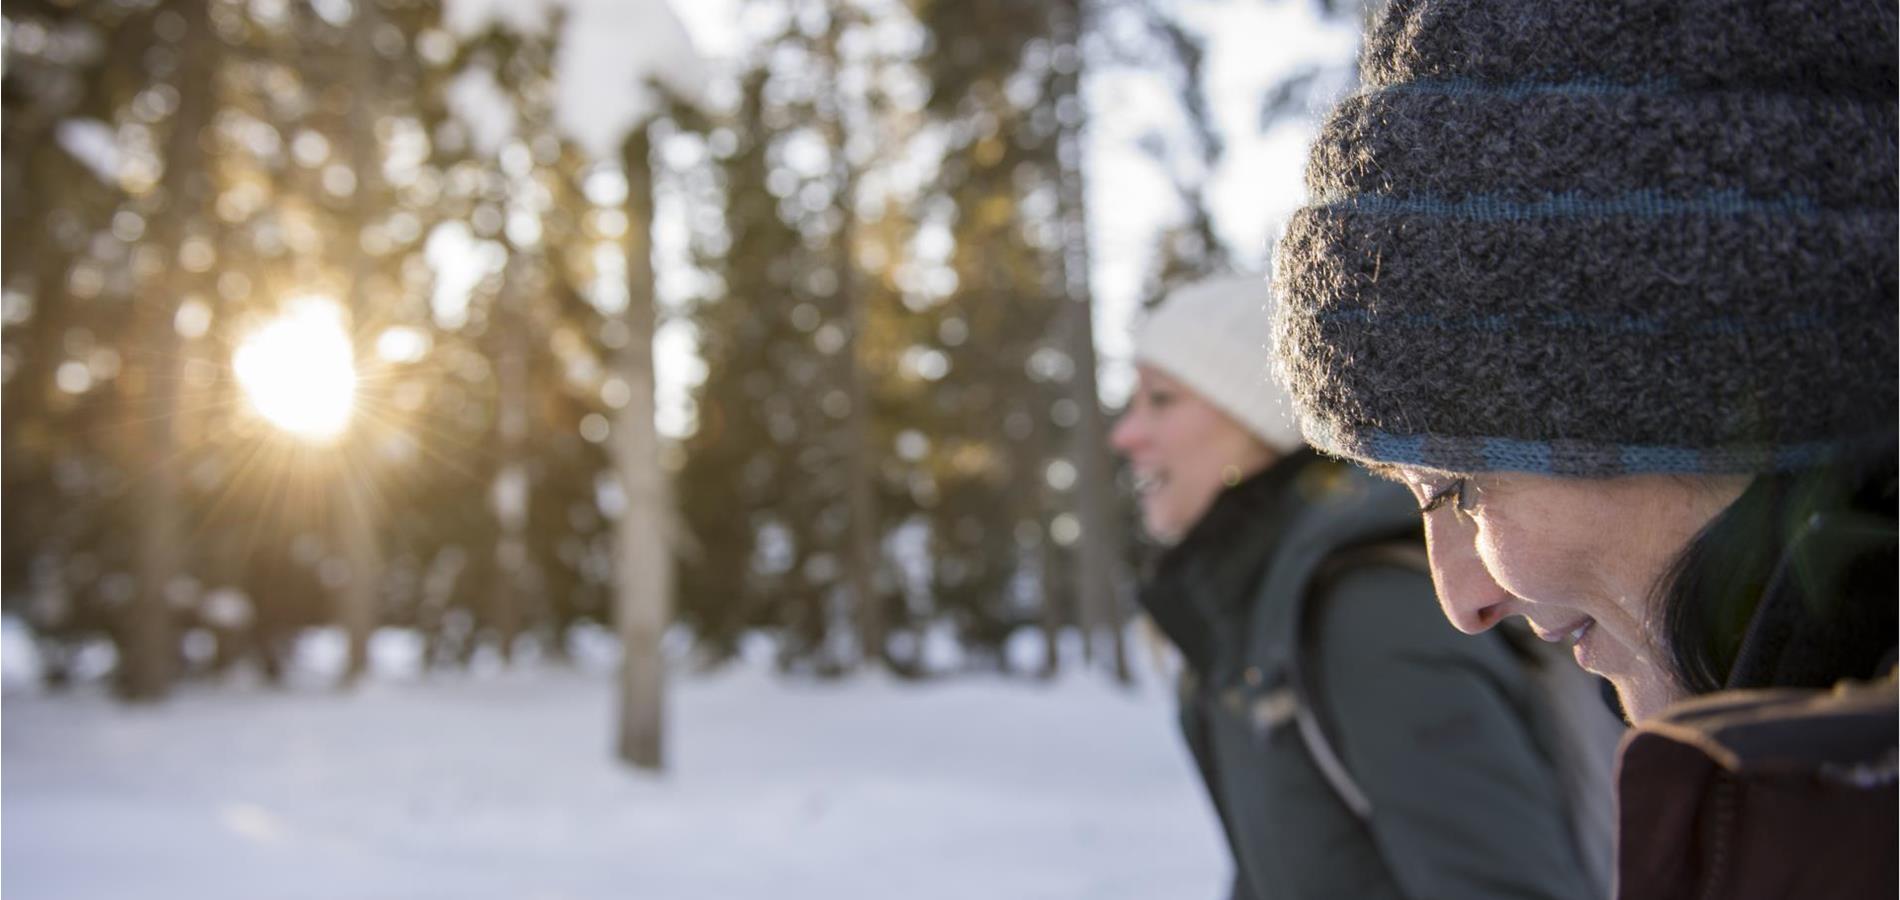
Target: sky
pixel 1251 44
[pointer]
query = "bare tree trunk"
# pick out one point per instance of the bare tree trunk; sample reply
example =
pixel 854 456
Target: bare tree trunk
pixel 357 604
pixel 861 550
pixel 861 565
pixel 643 562
pixel 1104 574
pixel 1055 597
pixel 511 489
pixel 356 518
pixel 149 645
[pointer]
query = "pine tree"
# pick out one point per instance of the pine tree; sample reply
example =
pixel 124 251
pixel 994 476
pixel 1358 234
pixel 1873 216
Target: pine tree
pixel 1005 82
pixel 790 411
pixel 66 278
pixel 748 490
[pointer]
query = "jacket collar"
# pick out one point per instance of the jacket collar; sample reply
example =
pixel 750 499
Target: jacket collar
pixel 1200 586
pixel 1342 506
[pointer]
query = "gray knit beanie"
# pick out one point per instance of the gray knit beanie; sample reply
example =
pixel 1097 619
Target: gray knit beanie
pixel 1594 237
pixel 1212 335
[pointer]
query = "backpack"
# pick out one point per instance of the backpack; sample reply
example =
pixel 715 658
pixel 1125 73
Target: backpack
pixel 1570 718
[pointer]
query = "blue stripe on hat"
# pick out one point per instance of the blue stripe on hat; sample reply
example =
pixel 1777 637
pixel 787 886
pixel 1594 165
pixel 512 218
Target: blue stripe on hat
pixel 1536 457
pixel 1517 456
pixel 1608 322
pixel 1650 204
pixel 1402 450
pixel 1580 87
pixel 1802 456
pixel 1665 460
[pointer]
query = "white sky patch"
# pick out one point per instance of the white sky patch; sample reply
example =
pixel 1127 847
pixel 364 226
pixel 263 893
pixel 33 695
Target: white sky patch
pixel 676 350
pixel 470 17
pixel 710 23
pixel 675 276
pixel 508 496
pixel 677 364
pixel 1250 47
pixel 1258 182
pixel 477 99
pixel 92 143
pixel 401 344
pixel 459 265
pixel 1130 198
pixel 608 293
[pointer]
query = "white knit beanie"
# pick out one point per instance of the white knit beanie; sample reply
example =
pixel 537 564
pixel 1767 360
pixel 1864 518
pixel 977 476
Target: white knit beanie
pixel 1212 335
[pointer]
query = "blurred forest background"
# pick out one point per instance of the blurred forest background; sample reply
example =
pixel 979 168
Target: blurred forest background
pixel 862 250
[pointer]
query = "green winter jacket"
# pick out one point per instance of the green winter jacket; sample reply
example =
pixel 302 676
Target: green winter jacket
pixel 1434 726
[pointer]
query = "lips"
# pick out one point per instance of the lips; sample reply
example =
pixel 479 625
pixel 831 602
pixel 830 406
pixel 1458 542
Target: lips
pixel 1570 633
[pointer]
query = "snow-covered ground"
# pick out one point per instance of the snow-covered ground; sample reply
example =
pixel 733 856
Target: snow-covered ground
pixel 501 786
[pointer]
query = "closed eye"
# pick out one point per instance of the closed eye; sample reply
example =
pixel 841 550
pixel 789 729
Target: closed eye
pixel 1437 498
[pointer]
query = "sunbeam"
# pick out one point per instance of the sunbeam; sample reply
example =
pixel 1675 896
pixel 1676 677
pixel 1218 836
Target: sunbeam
pixel 299 371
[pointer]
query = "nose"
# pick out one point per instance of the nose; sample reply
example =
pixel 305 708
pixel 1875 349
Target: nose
pixel 1470 597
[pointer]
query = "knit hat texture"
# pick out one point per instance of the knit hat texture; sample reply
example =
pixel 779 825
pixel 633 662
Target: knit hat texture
pixel 1595 237
pixel 1212 335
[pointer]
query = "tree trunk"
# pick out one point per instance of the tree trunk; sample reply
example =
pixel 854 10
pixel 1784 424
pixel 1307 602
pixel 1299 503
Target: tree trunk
pixel 643 561
pixel 1055 603
pixel 356 518
pixel 861 564
pixel 149 644
pixel 1103 575
pixel 510 491
pixel 860 473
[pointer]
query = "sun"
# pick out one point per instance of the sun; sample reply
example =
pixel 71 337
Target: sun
pixel 299 371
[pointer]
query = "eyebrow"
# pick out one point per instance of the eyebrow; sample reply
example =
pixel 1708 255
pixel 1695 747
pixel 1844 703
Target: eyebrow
pixel 1386 471
pixel 1391 472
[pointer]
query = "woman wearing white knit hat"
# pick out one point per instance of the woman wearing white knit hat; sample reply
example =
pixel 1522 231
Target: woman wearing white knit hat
pixel 1334 715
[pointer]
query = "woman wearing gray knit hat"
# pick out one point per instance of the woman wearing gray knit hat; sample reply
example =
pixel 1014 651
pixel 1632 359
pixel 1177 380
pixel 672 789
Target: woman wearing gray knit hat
pixel 1354 744
pixel 1611 287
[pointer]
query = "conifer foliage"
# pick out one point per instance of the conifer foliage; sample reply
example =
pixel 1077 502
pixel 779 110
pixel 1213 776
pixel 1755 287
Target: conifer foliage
pixel 866 261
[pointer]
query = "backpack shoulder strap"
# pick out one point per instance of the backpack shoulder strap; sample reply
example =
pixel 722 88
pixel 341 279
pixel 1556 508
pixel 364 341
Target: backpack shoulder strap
pixel 1578 732
pixel 1310 719
pixel 1341 518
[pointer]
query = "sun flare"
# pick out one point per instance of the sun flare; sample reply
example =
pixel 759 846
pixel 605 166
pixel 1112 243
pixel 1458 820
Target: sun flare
pixel 299 371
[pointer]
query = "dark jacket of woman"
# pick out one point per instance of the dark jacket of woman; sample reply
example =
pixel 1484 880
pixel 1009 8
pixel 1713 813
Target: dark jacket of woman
pixel 1433 725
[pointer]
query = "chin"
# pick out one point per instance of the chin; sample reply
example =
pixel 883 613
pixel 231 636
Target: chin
pixel 1644 700
pixel 1161 527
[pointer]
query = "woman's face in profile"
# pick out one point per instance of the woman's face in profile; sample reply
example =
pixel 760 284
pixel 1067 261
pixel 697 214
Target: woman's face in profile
pixel 1580 559
pixel 1183 452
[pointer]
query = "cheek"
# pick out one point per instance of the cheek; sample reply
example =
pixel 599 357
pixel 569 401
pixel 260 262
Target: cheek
pixel 1194 445
pixel 1536 561
pixel 1189 491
